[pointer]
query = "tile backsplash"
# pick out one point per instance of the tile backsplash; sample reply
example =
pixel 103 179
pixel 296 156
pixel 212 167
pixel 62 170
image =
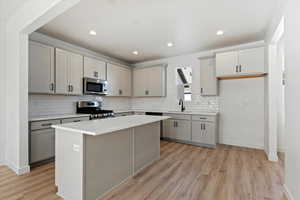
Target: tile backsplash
pixel 198 103
pixel 55 104
pixel 40 105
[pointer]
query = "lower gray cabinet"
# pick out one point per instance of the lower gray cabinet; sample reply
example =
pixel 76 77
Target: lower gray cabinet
pixel 203 132
pixel 42 139
pixel 42 145
pixel 177 129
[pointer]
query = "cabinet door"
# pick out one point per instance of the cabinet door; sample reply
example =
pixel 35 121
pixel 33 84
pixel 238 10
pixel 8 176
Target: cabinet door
pixel 75 73
pixel 226 63
pixel 156 81
pixel 140 82
pixel 126 82
pixel 61 72
pixel 208 80
pixel 42 145
pixel 252 61
pixel 182 130
pixel 203 132
pixel 94 68
pixel 169 129
pixel 41 68
pixel 119 80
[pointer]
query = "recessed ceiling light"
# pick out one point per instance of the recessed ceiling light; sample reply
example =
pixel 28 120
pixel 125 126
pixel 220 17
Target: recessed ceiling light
pixel 135 52
pixel 170 44
pixel 220 32
pixel 92 32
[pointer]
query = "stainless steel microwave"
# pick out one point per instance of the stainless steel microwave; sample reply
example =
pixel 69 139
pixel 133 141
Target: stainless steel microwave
pixel 94 86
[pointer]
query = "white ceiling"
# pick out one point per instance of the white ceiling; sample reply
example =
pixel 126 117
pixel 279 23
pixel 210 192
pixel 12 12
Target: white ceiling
pixel 123 26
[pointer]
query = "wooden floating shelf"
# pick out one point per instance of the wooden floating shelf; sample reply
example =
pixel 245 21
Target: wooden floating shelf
pixel 243 76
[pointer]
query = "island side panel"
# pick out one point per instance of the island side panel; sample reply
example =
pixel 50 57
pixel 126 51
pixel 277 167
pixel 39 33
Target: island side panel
pixel 69 148
pixel 146 145
pixel 108 162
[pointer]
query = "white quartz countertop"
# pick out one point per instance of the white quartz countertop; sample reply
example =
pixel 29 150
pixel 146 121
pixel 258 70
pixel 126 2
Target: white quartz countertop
pixel 53 117
pixel 108 125
pixel 171 112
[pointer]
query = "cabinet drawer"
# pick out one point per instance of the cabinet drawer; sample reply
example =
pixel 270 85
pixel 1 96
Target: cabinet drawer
pixel 73 120
pixel 203 118
pixel 178 116
pixel 43 124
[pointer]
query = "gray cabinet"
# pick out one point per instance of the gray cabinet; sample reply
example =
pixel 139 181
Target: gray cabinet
pixel 204 129
pixel 191 129
pixel 94 68
pixel 42 139
pixel 243 62
pixel 177 128
pixel 119 80
pixel 42 145
pixel 69 72
pixel 41 68
pixel 208 80
pixel 150 81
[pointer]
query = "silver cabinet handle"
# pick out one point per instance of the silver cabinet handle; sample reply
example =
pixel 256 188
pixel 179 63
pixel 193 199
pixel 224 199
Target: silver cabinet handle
pixel 147 92
pixel 96 74
pixel 69 88
pixel 120 92
pixel 77 120
pixel 236 68
pixel 51 87
pixel 240 68
pixel 200 126
pixel 72 88
pixel 204 128
pixel 203 118
pixel 201 90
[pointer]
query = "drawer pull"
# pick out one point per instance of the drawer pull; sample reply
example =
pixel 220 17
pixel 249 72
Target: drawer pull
pixel 77 120
pixel 49 124
pixel 203 118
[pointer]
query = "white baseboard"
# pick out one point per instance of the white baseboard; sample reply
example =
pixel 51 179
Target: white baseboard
pixel 288 193
pixel 238 144
pixel 19 171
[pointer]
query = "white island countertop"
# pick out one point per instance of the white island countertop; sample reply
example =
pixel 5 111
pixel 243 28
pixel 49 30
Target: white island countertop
pixel 109 125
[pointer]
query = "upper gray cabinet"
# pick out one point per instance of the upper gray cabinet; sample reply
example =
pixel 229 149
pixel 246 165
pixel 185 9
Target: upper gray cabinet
pixel 69 72
pixel 243 62
pixel 119 80
pixel 150 81
pixel 94 68
pixel 208 80
pixel 41 68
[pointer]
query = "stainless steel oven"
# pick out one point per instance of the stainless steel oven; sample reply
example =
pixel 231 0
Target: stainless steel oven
pixel 94 86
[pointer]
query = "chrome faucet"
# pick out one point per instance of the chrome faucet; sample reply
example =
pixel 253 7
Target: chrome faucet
pixel 181 103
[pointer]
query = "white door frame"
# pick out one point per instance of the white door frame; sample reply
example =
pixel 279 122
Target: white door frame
pixel 274 77
pixel 29 16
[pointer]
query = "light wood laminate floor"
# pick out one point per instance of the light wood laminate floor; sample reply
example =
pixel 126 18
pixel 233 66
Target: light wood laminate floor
pixel 183 172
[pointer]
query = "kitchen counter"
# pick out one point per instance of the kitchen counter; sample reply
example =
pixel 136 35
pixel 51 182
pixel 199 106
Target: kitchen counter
pixel 52 117
pixel 108 125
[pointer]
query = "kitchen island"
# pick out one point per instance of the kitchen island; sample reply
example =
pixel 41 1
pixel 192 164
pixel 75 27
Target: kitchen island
pixel 93 157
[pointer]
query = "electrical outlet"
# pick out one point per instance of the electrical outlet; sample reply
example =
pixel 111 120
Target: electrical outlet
pixel 76 147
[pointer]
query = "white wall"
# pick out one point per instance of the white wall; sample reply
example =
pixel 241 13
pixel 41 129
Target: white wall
pixel 292 99
pixel 2 88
